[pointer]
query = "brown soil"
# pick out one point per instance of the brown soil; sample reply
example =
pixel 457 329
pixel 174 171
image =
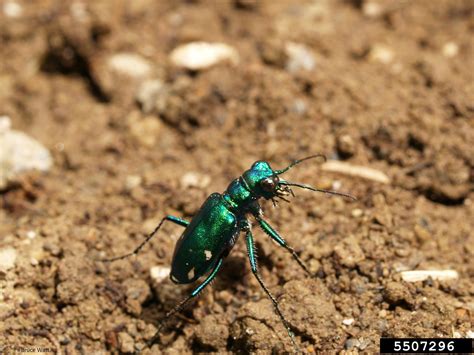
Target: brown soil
pixel 118 170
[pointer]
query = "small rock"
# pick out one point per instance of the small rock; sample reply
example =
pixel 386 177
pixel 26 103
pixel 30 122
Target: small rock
pixel 5 124
pixel 7 258
pixel 450 49
pixel 145 130
pixel 202 55
pixel 193 179
pixel 272 52
pixel 349 252
pixel 371 9
pixel 421 275
pixel 159 273
pixel 130 64
pixel 212 332
pixel 132 181
pixel 12 9
pixel 381 53
pixel 396 293
pixel 336 166
pixel 19 153
pixel 357 212
pixel 348 321
pixel 421 233
pixel 147 94
pixel 300 58
pixel 345 145
pixel 351 343
pixel 126 343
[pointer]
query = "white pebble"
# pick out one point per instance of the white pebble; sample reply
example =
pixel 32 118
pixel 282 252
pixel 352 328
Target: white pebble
pixel 19 153
pixel 381 53
pixel 159 273
pixel 355 170
pixel 148 93
pixel 5 124
pixel 300 57
pixel 12 9
pixel 470 334
pixel 130 64
pixel 348 321
pixel 132 181
pixel 7 258
pixel 193 179
pixel 202 55
pixel 450 49
pixel 421 275
pixel 31 234
pixel 371 9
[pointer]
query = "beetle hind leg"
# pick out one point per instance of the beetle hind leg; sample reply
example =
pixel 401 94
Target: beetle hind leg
pixel 176 220
pixel 184 302
pixel 253 263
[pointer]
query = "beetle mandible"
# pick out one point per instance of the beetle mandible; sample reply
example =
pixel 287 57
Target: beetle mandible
pixel 214 230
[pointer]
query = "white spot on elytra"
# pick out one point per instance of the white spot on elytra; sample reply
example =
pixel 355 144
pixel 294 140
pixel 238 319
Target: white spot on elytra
pixel 208 254
pixel 191 274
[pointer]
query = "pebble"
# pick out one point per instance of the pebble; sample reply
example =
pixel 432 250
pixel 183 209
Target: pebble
pixel 300 58
pixel 31 234
pixel 450 49
pixel 348 321
pixel 130 64
pixel 159 273
pixel 421 275
pixel 357 212
pixel 193 179
pixel 148 93
pixel 348 252
pixel 12 9
pixel 126 343
pixel 7 258
pixel 19 153
pixel 371 9
pixel 345 145
pixel 381 53
pixel 145 130
pixel 355 170
pixel 132 181
pixel 202 55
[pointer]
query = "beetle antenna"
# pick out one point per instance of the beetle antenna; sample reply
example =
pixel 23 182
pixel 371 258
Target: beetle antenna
pixel 307 187
pixel 296 162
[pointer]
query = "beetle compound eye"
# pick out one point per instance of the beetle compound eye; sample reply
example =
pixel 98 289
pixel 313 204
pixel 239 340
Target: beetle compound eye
pixel 268 184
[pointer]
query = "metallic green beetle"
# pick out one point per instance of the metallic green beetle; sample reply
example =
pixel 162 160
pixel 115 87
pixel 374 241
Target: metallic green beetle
pixel 213 231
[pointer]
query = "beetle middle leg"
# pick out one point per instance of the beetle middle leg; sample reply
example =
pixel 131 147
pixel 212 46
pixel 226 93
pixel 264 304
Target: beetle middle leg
pixel 176 220
pixel 277 238
pixel 184 302
pixel 253 264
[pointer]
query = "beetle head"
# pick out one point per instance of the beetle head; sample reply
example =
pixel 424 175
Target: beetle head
pixel 264 182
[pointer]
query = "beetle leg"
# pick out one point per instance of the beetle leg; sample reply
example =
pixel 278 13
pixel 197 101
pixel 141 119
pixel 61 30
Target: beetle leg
pixel 253 264
pixel 176 220
pixel 277 238
pixel 184 302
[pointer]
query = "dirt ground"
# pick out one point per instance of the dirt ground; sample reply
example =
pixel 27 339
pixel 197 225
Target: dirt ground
pixel 392 89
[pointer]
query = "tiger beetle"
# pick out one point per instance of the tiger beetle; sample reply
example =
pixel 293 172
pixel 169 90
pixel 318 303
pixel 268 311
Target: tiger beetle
pixel 212 233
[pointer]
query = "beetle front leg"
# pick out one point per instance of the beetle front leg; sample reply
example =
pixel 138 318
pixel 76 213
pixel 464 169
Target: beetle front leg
pixel 176 220
pixel 277 238
pixel 253 264
pixel 183 303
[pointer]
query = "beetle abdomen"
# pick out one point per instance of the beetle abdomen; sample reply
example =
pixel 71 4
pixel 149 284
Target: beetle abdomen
pixel 205 239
